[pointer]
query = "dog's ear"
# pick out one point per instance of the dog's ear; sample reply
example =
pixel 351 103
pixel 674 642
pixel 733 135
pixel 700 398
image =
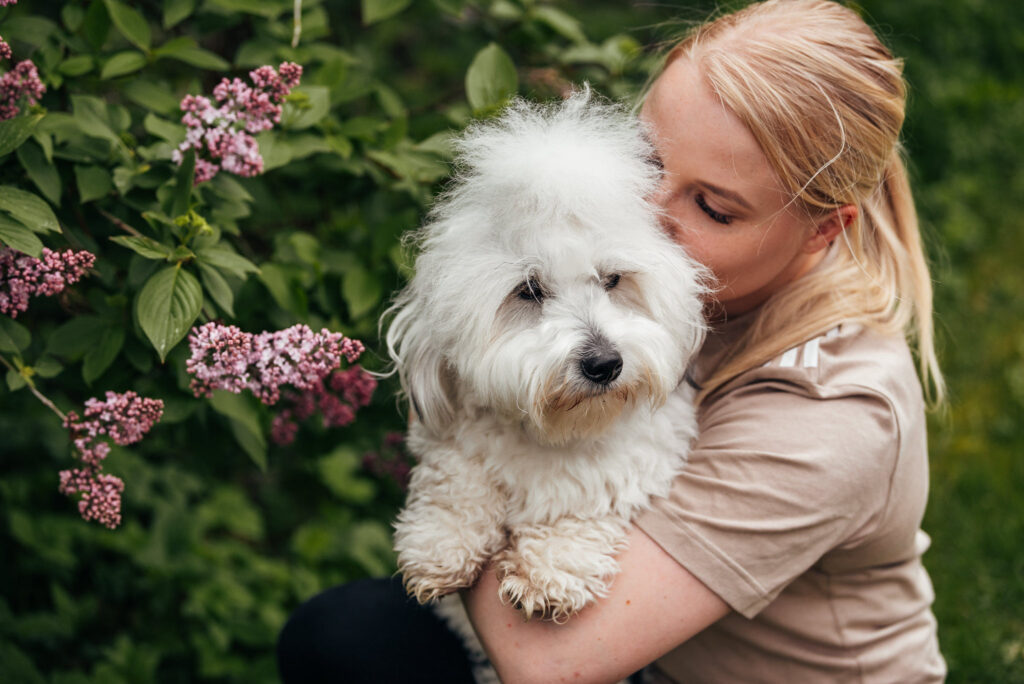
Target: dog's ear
pixel 427 379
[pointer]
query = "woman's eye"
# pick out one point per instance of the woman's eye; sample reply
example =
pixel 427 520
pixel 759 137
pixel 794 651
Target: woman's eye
pixel 715 216
pixel 529 290
pixel 611 281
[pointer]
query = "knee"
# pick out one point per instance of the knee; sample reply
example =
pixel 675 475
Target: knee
pixel 368 631
pixel 319 642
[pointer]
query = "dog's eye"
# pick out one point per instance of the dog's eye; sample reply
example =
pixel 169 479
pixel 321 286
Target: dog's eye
pixel 611 281
pixel 529 290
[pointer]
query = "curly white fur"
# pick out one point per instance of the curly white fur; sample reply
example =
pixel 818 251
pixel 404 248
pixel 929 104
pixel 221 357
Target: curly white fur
pixel 540 266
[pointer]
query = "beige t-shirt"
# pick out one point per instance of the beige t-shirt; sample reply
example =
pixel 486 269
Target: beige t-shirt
pixel 801 508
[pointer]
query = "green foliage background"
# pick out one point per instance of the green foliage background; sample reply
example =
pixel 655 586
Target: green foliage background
pixel 223 534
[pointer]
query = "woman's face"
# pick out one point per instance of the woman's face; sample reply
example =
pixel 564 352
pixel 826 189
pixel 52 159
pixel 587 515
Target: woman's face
pixel 723 201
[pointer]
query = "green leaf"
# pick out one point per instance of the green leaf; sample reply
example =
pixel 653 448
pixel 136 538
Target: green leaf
pixel 277 282
pixel 169 131
pixel 17 666
pixel 90 115
pixel 101 355
pixel 376 10
pixel 217 288
pixel 93 182
pixel 47 367
pixel 96 24
pixel 34 30
pixel 153 95
pixel 186 50
pixel 270 9
pixel 14 337
pixel 19 237
pixel 76 66
pixel 491 78
pixel 15 380
pixel 175 11
pixel 340 470
pixel 423 167
pixel 561 22
pixel 72 16
pixel 223 258
pixel 74 338
pixel 147 247
pixel 40 171
pixel 315 107
pixel 130 23
pixel 15 131
pixel 245 423
pixel 274 149
pixel 361 290
pixel 371 546
pixel 123 63
pixel 28 209
pixel 167 306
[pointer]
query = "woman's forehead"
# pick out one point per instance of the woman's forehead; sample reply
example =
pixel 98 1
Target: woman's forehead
pixel 693 128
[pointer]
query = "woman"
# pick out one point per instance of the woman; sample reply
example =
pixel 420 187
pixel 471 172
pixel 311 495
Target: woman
pixel 789 549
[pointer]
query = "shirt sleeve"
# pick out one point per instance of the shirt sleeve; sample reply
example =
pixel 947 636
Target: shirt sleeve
pixel 775 480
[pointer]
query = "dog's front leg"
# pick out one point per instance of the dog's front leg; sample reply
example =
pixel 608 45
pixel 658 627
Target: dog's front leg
pixel 452 524
pixel 555 570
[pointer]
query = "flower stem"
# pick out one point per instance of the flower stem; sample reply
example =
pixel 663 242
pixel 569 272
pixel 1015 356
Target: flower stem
pixel 297 20
pixel 119 223
pixel 39 395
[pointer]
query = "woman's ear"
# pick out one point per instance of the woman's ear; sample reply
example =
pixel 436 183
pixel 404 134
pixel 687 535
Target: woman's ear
pixel 829 228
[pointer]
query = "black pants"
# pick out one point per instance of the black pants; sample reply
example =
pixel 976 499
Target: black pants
pixel 369 631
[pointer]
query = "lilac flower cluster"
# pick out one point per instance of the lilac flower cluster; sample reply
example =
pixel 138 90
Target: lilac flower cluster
pixel 225 357
pixel 222 135
pixel 392 460
pixel 336 397
pixel 21 82
pixel 23 276
pixel 125 419
pixel 5 49
pixel 5 3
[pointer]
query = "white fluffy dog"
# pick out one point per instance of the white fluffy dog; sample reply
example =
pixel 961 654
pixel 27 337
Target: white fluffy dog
pixel 540 343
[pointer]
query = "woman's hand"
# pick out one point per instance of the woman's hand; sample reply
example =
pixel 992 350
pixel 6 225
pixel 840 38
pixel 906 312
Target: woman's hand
pixel 654 605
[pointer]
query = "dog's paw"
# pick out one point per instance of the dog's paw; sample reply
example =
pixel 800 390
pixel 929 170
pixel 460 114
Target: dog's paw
pixel 542 592
pixel 524 597
pixel 532 601
pixel 427 584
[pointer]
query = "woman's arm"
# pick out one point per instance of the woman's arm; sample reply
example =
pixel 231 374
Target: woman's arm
pixel 654 605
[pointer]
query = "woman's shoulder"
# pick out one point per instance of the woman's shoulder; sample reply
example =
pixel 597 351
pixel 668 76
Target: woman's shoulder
pixel 849 390
pixel 848 360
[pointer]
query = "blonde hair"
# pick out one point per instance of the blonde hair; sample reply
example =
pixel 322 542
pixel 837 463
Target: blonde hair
pixel 825 100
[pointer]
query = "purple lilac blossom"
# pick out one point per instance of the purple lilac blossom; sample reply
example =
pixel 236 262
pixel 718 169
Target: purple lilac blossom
pixel 392 460
pixel 23 276
pixel 5 49
pixel 222 135
pixel 336 397
pixel 225 357
pixel 21 82
pixel 124 419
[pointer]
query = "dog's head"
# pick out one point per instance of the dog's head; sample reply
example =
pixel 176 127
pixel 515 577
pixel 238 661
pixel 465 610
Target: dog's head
pixel 545 290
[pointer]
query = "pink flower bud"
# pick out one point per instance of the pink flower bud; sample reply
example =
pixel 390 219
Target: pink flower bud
pixel 22 276
pixel 125 419
pixel 222 135
pixel 20 83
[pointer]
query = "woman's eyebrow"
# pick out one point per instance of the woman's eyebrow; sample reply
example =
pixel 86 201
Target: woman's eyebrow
pixel 727 194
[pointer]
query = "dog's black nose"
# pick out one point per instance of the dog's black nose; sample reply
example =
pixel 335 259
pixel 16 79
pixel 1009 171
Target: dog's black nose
pixel 602 367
